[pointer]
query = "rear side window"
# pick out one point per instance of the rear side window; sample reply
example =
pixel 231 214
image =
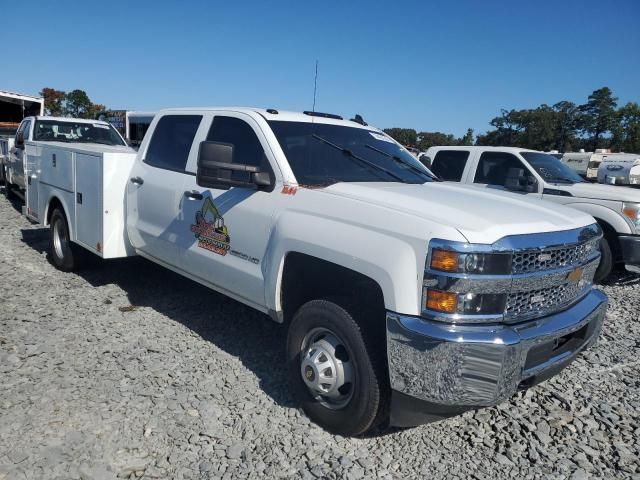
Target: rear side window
pixel 493 167
pixel 171 142
pixel 449 164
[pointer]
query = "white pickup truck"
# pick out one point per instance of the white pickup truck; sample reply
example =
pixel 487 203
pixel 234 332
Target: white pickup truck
pixel 542 176
pixel 407 299
pixel 37 131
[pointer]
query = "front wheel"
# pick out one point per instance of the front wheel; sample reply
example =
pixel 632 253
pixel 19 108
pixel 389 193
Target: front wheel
pixel 62 253
pixel 606 262
pixel 331 371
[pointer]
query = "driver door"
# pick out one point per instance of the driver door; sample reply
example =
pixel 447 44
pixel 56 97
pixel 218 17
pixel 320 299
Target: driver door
pixel 229 229
pixel 495 168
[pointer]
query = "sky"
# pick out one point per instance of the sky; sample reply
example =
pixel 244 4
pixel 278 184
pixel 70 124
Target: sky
pixel 430 65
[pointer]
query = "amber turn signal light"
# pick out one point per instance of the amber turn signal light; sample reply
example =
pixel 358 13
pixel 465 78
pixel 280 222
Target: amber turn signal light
pixel 444 260
pixel 440 301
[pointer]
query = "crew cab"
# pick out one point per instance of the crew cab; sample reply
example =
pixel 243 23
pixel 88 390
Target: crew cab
pixel 406 299
pixel 34 131
pixel 537 175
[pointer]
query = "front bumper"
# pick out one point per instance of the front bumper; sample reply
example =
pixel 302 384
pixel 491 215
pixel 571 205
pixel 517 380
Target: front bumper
pixel 440 369
pixel 630 249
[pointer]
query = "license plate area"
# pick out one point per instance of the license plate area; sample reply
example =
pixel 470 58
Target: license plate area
pixel 558 347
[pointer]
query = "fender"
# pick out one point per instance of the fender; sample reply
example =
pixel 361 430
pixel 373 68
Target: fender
pixel 612 217
pixel 65 207
pixel 388 260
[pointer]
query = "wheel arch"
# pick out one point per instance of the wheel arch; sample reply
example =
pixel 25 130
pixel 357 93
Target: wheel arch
pixel 56 202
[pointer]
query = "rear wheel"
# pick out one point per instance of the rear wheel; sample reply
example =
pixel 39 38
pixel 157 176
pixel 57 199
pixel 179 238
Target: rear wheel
pixel 8 187
pixel 63 254
pixel 606 261
pixel 331 370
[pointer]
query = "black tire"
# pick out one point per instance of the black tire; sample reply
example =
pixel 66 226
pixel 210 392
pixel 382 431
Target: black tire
pixel 8 189
pixel 62 253
pixel 606 262
pixel 367 403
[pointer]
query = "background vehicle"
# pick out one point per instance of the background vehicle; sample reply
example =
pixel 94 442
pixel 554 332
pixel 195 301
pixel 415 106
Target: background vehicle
pixel 406 299
pixel 132 125
pixel 586 164
pixel 620 169
pixel 6 144
pixel 33 131
pixel 14 107
pixel 538 175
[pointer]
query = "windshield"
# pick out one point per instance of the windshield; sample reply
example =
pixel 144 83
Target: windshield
pixel 76 132
pixel 551 169
pixel 321 154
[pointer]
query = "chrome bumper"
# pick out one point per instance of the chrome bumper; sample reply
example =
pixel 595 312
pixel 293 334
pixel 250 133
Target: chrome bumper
pixel 467 366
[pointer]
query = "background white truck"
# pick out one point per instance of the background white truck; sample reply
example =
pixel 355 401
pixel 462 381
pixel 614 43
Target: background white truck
pixel 406 299
pixel 34 132
pixel 541 176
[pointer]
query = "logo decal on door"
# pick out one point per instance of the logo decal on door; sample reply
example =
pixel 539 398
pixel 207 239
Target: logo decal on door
pixel 210 230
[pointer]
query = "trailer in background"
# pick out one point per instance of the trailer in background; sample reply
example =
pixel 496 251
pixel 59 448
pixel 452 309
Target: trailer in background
pixel 584 163
pixel 132 125
pixel 620 169
pixel 16 106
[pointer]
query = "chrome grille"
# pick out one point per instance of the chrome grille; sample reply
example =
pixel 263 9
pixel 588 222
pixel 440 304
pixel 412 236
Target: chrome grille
pixel 542 301
pixel 551 258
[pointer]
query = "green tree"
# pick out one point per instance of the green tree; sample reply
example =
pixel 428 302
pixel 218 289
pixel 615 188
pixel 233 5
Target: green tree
pixel 598 116
pixel 629 122
pixel 77 104
pixel 53 101
pixel 405 136
pixel 566 124
pixel 430 139
pixel 467 138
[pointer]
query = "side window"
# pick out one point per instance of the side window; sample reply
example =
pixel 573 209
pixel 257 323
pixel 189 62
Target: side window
pixel 493 168
pixel 171 142
pixel 247 149
pixel 449 164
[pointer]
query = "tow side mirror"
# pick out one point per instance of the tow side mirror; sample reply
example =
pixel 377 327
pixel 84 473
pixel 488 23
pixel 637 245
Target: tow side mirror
pixel 518 181
pixel 216 168
pixel 20 140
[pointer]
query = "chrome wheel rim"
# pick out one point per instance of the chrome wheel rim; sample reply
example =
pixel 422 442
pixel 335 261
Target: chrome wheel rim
pixel 327 368
pixel 59 239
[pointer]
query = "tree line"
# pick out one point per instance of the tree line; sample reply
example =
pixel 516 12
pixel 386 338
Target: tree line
pixel 75 103
pixel 564 126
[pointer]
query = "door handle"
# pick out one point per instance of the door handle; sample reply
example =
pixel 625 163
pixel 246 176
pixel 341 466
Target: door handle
pixel 193 195
pixel 137 181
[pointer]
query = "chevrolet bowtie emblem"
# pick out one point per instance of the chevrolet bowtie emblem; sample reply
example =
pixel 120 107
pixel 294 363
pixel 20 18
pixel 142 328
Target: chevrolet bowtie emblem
pixel 575 276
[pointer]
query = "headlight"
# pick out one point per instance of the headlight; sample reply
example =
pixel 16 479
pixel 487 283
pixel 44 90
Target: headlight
pixel 632 212
pixel 464 303
pixel 472 263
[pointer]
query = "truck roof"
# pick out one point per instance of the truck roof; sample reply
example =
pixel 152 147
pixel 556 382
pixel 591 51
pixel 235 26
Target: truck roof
pixel 67 119
pixel 477 147
pixel 277 115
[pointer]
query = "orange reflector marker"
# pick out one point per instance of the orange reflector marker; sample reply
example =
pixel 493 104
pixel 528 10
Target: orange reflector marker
pixel 440 301
pixel 444 260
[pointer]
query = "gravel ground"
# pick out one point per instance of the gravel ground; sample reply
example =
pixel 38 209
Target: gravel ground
pixel 126 370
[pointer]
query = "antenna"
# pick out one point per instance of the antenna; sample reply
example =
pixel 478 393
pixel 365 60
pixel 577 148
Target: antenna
pixel 315 88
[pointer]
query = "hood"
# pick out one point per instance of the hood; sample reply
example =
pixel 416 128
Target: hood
pixel 598 191
pixel 480 215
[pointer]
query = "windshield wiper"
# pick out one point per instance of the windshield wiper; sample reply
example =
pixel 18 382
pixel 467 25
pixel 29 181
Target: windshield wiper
pixel 415 170
pixel 350 154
